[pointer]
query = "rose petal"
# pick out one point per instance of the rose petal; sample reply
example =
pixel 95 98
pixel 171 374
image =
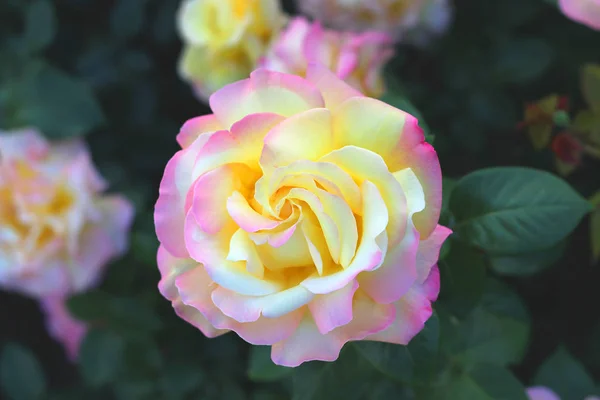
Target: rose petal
pixel 250 308
pixel 397 274
pixel 195 127
pixel 429 251
pixel 334 90
pixel 265 92
pixel 412 311
pixel 334 309
pixel 304 136
pixel 371 250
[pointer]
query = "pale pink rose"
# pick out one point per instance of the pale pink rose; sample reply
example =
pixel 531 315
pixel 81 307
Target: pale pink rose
pixel 585 12
pixel 57 230
pixel 357 58
pixel 61 325
pixel 301 215
pixel 405 20
pixel 543 393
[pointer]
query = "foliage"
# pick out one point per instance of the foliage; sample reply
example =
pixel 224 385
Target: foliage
pixel 518 292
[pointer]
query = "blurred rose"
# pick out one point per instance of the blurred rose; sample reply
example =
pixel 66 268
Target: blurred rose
pixel 62 326
pixel 224 39
pixel 585 12
pixel 543 393
pixel 57 231
pixel 405 20
pixel 301 215
pixel 357 58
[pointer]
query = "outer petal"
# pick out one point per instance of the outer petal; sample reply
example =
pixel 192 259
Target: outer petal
pixel 196 288
pixel 586 12
pixel 334 90
pixel 334 309
pixel 24 143
pixel 169 212
pixel 412 311
pixel 250 308
pixel 195 127
pixel 398 272
pixel 265 92
pixel 429 251
pixel 307 343
pixel 170 268
pixel 62 326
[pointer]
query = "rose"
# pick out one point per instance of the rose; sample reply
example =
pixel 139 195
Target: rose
pixel 585 12
pixel 391 16
pixel 224 39
pixel 543 393
pixel 301 215
pixel 57 231
pixel 357 58
pixel 62 326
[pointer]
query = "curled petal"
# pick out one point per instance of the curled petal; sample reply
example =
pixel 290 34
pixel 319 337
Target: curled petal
pixel 308 343
pixel 334 309
pixel 195 127
pixel 250 308
pixel 265 92
pixel 371 250
pixel 397 274
pixel 304 136
pixel 364 165
pixel 429 251
pixel 334 90
pixel 412 311
pixel 169 211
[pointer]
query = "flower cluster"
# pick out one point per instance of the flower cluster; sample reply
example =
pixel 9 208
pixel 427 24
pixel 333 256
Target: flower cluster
pixel 224 40
pixel 57 230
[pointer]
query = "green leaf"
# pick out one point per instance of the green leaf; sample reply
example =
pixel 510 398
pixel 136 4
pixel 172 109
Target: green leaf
pixel 181 379
pixel 565 375
pixel 261 368
pixel 348 378
pixel 462 275
pixel 521 60
pixel 392 360
pixel 101 357
pixel 40 25
pixel 529 263
pixel 497 331
pixel 59 105
pixel 135 390
pixel 514 210
pixel 403 364
pixel 424 349
pixel 484 382
pixel 21 375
